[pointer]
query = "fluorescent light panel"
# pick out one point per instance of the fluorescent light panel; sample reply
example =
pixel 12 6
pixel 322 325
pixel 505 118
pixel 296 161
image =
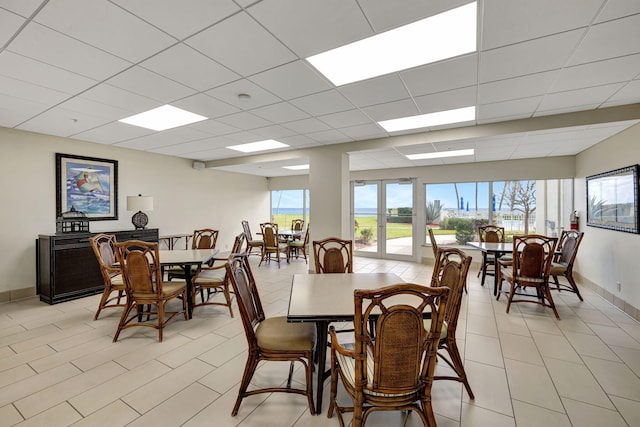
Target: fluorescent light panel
pixel 251 147
pixel 429 120
pixel 441 154
pixel 432 39
pixel 296 167
pixel 163 118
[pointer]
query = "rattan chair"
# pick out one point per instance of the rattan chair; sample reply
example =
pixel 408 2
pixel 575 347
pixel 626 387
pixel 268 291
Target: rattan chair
pixel 298 246
pixel 271 245
pixel 452 266
pixel 251 243
pixel 489 234
pixel 269 339
pixel 142 274
pixel 205 238
pixel 297 225
pixel 333 255
pixel 562 264
pixel 394 371
pixel 529 268
pixel 103 246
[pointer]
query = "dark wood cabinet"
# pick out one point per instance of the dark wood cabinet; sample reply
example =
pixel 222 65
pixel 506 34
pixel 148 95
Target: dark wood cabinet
pixel 67 268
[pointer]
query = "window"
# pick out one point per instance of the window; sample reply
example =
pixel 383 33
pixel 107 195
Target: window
pixel 287 205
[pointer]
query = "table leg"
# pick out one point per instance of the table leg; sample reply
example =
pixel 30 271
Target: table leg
pixel 322 328
pixel 495 273
pixel 187 279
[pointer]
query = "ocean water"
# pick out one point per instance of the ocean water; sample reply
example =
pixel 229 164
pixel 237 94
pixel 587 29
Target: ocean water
pixel 297 211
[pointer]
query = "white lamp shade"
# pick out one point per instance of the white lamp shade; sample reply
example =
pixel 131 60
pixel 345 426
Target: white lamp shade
pixel 139 203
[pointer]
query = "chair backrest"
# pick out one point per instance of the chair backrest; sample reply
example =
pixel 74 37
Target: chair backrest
pixel 491 234
pixel 297 225
pixel 403 352
pixel 269 234
pixel 104 248
pixel 450 270
pixel 434 244
pixel 247 297
pixel 238 243
pixel 306 235
pixel 532 256
pixel 568 246
pixel 204 239
pixel 247 229
pixel 140 263
pixel 333 255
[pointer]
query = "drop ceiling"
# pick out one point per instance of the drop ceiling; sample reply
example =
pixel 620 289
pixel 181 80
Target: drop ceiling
pixel 73 68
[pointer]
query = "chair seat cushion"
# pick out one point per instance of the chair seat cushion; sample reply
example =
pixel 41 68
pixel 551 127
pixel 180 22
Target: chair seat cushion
pixel 557 268
pixel 296 244
pixel 117 280
pixel 255 242
pixel 348 367
pixel 443 331
pixel 211 276
pixel 276 334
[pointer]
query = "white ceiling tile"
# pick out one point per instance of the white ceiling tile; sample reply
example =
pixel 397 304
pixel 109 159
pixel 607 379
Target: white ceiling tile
pixel 214 127
pixel 14 111
pixel 97 109
pixel 180 18
pixel 628 94
pixel 506 22
pixel 323 103
pixel 94 23
pixel 617 9
pixel 116 97
pixel 26 69
pixel 292 80
pixel 258 96
pixel 244 120
pixel 25 90
pixel 306 126
pixel 544 54
pixel 310 27
pixel 144 82
pixel 273 132
pixel 331 136
pixel 364 131
pixel 205 106
pixel 449 100
pixel 9 24
pixel 524 107
pixel 615 70
pixel 298 141
pixel 189 67
pixel 280 113
pixel 151 141
pixel 586 96
pixel 61 122
pixel 385 15
pixel 253 49
pixel 609 40
pixel 51 47
pixel 442 76
pixel 518 87
pixel 345 119
pixel 112 132
pixel 392 110
pixel 375 91
pixel 22 7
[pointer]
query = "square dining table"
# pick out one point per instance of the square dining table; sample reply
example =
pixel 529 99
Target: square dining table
pixel 497 249
pixel 326 298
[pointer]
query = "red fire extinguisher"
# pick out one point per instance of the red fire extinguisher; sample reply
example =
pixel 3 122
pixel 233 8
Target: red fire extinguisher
pixel 574 220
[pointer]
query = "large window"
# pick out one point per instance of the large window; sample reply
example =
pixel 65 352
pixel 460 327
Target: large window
pixel 287 205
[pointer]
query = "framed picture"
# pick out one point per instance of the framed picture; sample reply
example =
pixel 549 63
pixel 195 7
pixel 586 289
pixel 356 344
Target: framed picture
pixel 612 200
pixel 87 184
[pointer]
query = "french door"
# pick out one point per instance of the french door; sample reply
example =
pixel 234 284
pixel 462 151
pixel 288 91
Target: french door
pixel 383 218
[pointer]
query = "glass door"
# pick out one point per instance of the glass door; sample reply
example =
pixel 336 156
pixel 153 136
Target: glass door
pixel 383 218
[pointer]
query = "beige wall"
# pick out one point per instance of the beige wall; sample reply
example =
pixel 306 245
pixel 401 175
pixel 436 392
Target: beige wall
pixel 184 198
pixel 606 256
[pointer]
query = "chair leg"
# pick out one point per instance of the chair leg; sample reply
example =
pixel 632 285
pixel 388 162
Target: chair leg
pixel 160 320
pixel 512 291
pixel 249 369
pixel 547 293
pixel 123 320
pixel 227 296
pixel 103 300
pixel 573 284
pixel 452 349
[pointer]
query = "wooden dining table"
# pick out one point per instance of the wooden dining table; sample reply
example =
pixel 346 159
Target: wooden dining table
pixel 326 298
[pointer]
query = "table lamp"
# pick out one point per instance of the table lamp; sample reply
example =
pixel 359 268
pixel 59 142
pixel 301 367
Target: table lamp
pixel 139 203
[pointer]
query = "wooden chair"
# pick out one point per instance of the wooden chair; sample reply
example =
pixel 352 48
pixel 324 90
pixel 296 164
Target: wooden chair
pixel 103 246
pixel 435 247
pixel 529 268
pixel 213 278
pixel 297 225
pixel 142 274
pixel 251 243
pixel 394 371
pixel 452 266
pixel 333 255
pixel 490 234
pixel 562 264
pixel 205 238
pixel 271 244
pixel 297 246
pixel 269 339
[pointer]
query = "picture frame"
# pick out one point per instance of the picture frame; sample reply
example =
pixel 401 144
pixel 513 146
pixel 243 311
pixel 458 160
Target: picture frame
pixel 612 200
pixel 87 184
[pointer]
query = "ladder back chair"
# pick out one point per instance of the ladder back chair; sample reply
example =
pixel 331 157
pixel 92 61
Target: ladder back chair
pixel 333 255
pixel 269 339
pixel 271 244
pixel 251 242
pixel 104 248
pixel 140 265
pixel 562 264
pixel 394 371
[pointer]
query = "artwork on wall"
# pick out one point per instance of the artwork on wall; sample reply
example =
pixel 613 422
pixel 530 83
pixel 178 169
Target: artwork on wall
pixel 612 200
pixel 87 184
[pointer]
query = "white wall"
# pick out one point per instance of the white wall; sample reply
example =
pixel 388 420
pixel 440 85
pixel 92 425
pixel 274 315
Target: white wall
pixel 184 198
pixel 606 256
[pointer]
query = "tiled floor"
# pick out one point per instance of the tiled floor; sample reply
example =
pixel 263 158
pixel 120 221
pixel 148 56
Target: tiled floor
pixel 58 367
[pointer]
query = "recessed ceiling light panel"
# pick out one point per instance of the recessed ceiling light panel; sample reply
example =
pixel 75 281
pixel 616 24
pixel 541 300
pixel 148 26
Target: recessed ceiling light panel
pixel 296 167
pixel 429 120
pixel 441 154
pixel 251 147
pixel 432 39
pixel 163 118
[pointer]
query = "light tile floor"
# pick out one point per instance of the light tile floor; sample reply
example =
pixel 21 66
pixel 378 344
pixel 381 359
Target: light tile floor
pixel 58 367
